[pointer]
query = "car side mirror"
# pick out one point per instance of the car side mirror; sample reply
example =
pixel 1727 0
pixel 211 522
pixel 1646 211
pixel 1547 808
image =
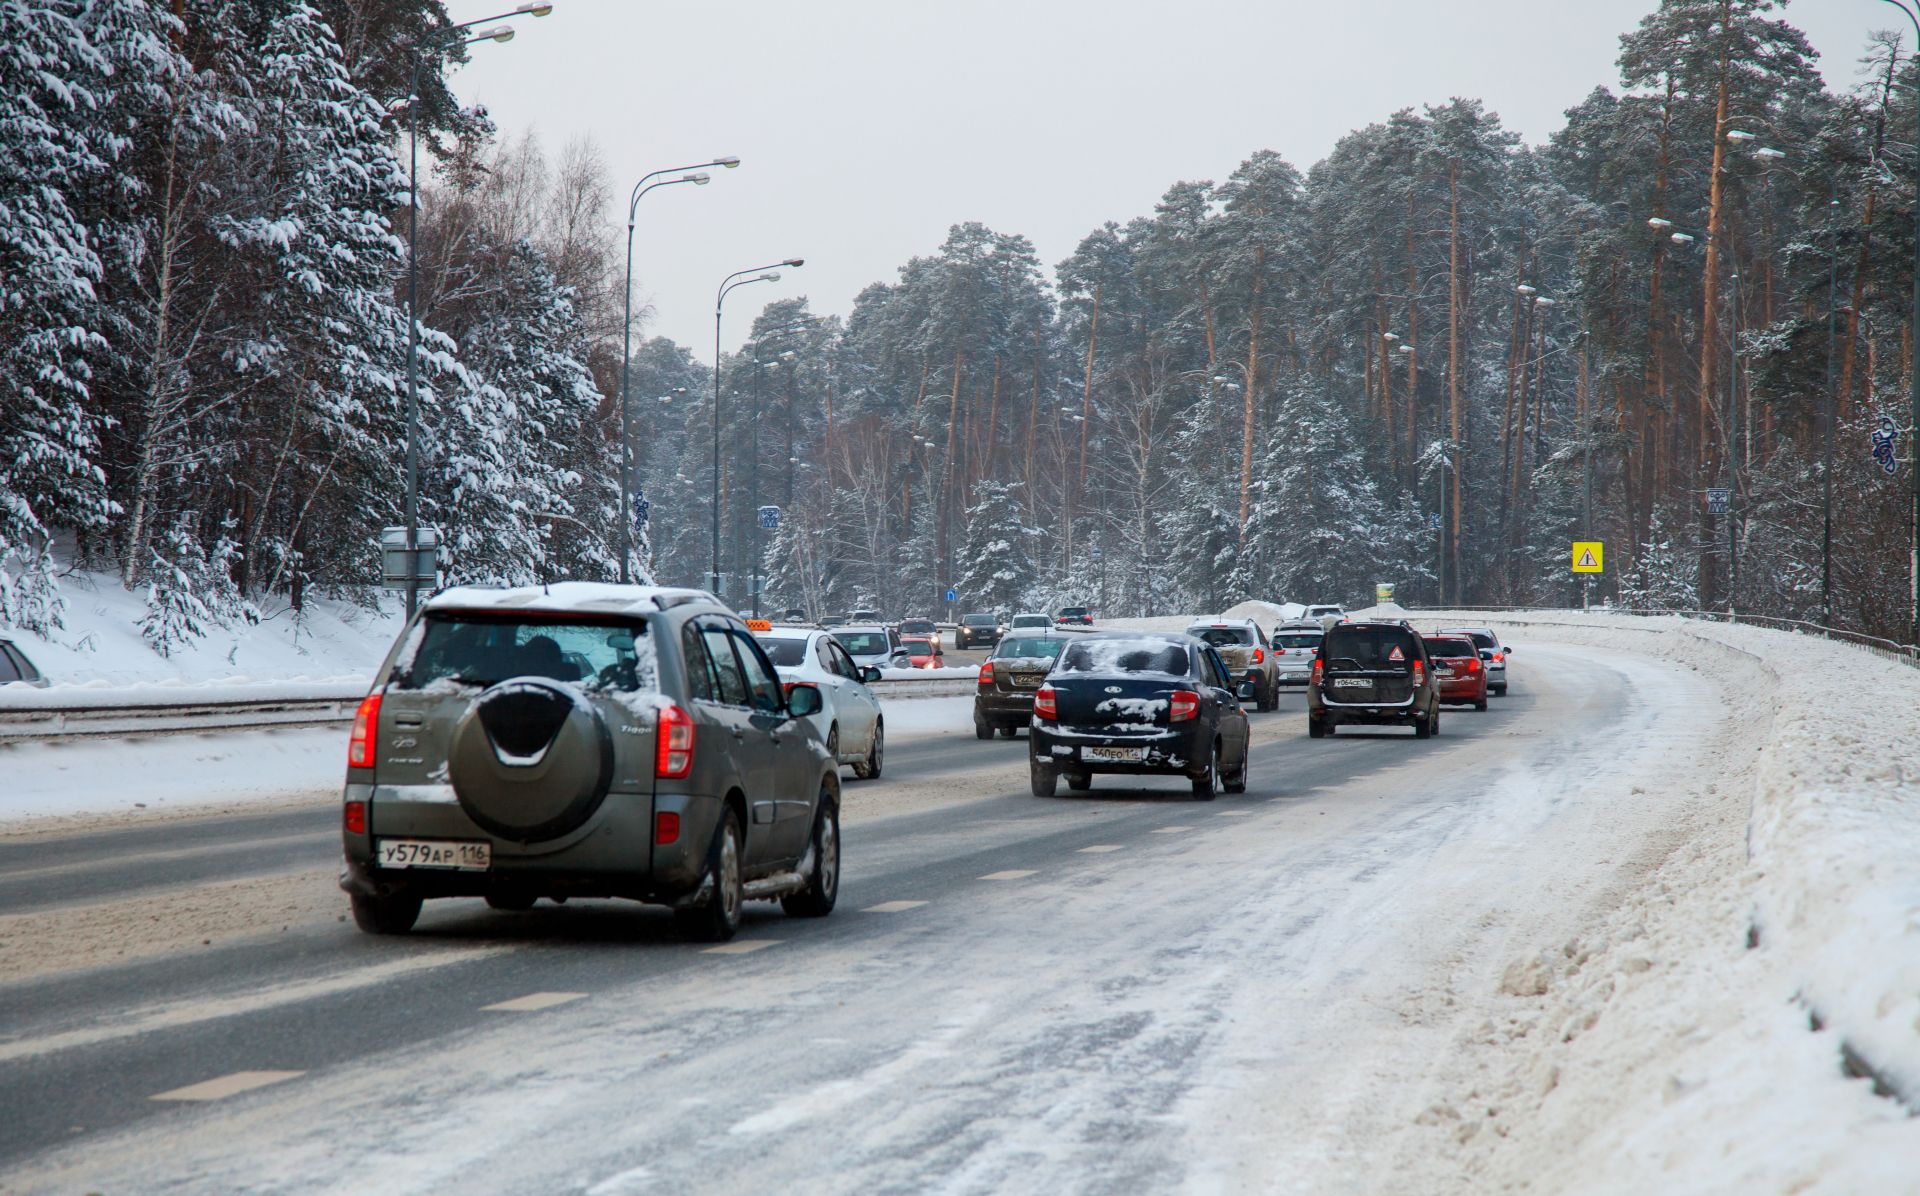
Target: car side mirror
pixel 869 674
pixel 1509 649
pixel 804 700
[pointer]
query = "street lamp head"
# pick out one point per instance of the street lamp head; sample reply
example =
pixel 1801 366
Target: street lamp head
pixel 795 262
pixel 1523 290
pixel 1543 301
pixel 1740 136
pixel 730 161
pixel 1769 154
pixel 769 276
pixel 535 8
pixel 1658 225
pixel 502 34
pixel 1408 349
pixel 698 180
pixel 1385 336
pixel 1681 239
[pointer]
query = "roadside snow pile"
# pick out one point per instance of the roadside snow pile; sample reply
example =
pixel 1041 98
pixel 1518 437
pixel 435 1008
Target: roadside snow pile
pixel 182 693
pixel 101 642
pixel 1265 613
pixel 1726 1024
pixel 939 674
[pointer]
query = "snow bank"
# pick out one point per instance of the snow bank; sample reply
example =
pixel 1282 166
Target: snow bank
pixel 939 674
pixel 101 643
pixel 1265 613
pixel 181 692
pixel 1710 1033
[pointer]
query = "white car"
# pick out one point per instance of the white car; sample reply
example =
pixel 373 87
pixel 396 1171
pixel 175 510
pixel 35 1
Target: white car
pixel 1030 621
pixel 849 719
pixel 1326 616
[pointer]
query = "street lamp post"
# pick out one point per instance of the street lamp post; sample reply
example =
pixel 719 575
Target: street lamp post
pixel 739 278
pixel 1913 375
pixel 626 351
pixel 441 37
pixel 1827 418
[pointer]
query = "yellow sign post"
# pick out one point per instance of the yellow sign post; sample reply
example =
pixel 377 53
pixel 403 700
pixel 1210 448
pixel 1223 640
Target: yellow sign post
pixel 1589 556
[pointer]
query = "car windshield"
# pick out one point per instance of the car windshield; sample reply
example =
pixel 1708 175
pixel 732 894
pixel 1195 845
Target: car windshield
pixel 478 650
pixel 1029 648
pixel 784 652
pixel 1297 639
pixel 1224 637
pixel 1371 647
pixel 916 627
pixel 920 645
pixel 864 643
pixel 1450 647
pixel 979 620
pixel 1125 656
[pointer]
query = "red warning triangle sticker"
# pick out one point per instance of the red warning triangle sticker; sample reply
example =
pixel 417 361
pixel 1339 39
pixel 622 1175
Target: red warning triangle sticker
pixel 1395 655
pixel 1586 559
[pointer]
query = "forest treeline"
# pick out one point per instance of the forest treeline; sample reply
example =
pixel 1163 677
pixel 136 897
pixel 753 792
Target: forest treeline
pixel 1435 358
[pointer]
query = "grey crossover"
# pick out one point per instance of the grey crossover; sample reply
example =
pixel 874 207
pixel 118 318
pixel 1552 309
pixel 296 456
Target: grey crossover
pixel 585 740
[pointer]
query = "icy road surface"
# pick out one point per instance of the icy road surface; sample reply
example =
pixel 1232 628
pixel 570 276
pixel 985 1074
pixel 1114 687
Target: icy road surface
pixel 1121 991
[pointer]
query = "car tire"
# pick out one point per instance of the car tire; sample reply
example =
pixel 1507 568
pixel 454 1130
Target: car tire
pixel 1423 727
pixel 1009 731
pixel 1317 728
pixel 391 913
pixel 1500 691
pixel 512 903
pixel 719 919
pixel 1079 782
pixel 823 886
pixel 1207 786
pixel 833 744
pixel 982 730
pixel 1238 782
pixel 869 769
pixel 1480 705
pixel 1044 779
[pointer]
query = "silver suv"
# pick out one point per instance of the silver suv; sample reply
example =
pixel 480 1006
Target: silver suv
pixel 586 740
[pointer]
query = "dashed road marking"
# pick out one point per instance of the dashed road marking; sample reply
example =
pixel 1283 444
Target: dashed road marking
pixel 741 947
pixel 892 907
pixel 221 1087
pixel 533 1002
pixel 1098 848
pixel 1173 830
pixel 1010 874
pixel 1234 813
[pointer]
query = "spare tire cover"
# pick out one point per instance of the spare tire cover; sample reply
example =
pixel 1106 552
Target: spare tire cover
pixel 530 759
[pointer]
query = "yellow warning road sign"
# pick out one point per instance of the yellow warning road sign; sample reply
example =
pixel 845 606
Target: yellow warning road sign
pixel 1588 556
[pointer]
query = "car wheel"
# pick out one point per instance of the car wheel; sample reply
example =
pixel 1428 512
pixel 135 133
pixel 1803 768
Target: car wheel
pixel 1433 722
pixel 515 903
pixel 1207 785
pixel 1043 778
pixel 1500 690
pixel 833 744
pixel 719 918
pixel 1480 705
pixel 1422 727
pixel 1317 728
pixel 1079 782
pixel 869 769
pixel 1008 732
pixel 823 886
pixel 982 730
pixel 1238 782
pixel 393 913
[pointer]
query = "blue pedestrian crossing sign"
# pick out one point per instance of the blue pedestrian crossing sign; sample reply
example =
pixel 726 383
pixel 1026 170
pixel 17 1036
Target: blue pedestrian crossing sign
pixel 953 595
pixel 770 518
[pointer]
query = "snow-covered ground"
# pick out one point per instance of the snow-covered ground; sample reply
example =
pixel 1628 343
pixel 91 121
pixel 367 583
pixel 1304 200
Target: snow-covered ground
pixel 101 643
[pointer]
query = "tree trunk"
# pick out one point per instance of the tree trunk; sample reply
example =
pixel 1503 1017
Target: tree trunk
pixel 1252 381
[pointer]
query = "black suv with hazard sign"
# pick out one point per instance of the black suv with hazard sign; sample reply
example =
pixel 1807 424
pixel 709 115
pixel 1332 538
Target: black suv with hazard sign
pixel 586 740
pixel 1372 674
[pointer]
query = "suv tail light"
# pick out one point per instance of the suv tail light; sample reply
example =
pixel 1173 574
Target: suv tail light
pixel 362 748
pixel 1500 657
pixel 1473 664
pixel 1259 657
pixel 1419 674
pixel 673 744
pixel 1182 706
pixel 986 673
pixel 1318 671
pixel 1045 703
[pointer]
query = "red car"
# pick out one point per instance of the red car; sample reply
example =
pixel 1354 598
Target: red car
pixel 1457 670
pixel 925 649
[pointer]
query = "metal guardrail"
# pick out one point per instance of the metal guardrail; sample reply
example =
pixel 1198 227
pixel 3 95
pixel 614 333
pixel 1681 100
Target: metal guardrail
pixel 158 718
pixel 1890 649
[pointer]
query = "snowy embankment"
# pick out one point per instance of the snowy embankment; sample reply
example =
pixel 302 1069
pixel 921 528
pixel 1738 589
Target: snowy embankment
pixel 1727 1025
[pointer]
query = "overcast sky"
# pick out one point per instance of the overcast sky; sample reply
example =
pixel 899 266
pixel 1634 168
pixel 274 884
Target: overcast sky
pixel 867 127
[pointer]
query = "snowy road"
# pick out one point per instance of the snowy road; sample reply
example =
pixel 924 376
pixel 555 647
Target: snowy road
pixel 1123 991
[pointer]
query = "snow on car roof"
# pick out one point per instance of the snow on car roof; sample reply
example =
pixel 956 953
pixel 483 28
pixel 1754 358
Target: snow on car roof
pixel 577 597
pixel 777 632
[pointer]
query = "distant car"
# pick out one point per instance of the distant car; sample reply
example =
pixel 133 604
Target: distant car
pixel 977 629
pixel 873 644
pixel 918 628
pixel 1243 649
pixel 1030 621
pixel 925 653
pixel 1138 703
pixel 1074 616
pixel 1457 670
pixel 865 616
pixel 833 620
pixel 16 669
pixel 1294 647
pixel 1003 701
pixel 1493 654
pixel 1325 615
pixel 1372 674
pixel 586 740
pixel 849 721
pixel 793 614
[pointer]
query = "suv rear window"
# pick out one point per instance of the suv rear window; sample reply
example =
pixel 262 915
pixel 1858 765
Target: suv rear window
pixel 1297 639
pixel 1224 637
pixel 483 650
pixel 1125 656
pixel 1371 647
pixel 1029 648
pixel 1450 647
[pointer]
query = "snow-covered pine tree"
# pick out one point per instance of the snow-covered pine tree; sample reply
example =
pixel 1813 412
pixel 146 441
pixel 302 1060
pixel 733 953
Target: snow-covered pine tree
pixel 994 569
pixel 177 612
pixel 1666 573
